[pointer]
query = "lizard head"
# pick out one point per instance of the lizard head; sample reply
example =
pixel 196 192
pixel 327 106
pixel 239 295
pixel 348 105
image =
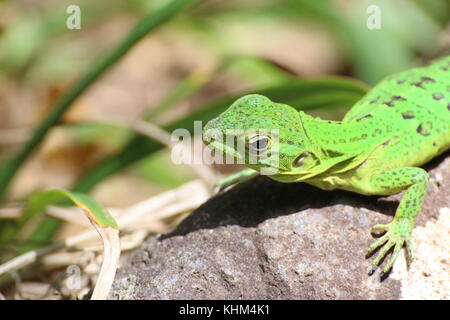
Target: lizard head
pixel 262 134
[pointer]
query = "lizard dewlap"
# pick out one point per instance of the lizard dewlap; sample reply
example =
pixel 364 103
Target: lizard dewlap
pixel 377 149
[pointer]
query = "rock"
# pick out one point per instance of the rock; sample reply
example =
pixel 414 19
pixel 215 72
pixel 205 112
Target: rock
pixel 269 240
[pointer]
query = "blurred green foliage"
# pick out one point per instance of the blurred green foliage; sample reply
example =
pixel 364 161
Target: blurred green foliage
pixel 36 49
pixel 37 41
pixel 409 29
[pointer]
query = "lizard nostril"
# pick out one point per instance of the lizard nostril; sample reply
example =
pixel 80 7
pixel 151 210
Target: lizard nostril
pixel 209 136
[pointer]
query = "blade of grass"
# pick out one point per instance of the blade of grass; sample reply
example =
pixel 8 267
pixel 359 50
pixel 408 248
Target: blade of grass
pixel 95 212
pixel 147 24
pixel 184 88
pixel 200 77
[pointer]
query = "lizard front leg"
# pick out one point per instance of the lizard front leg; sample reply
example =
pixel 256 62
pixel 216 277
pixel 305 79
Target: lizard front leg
pixel 398 231
pixel 237 177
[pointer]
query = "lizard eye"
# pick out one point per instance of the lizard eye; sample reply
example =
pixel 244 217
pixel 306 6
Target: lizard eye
pixel 259 143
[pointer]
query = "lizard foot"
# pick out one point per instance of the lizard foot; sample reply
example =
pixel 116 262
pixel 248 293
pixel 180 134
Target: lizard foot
pixel 398 233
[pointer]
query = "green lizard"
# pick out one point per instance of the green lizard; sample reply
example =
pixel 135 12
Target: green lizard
pixel 377 148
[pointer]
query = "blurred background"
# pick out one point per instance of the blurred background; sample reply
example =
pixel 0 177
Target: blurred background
pixel 40 58
pixel 208 50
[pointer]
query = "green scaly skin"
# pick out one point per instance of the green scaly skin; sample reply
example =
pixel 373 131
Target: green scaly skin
pixel 376 149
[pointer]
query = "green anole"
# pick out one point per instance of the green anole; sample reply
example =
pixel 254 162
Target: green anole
pixel 376 149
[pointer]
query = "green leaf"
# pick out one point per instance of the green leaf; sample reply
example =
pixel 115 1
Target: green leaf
pixel 95 212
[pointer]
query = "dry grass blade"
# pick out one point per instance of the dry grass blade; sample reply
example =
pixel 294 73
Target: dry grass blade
pixel 71 215
pixel 111 255
pixel 204 172
pixel 151 210
pixel 27 258
pixel 11 212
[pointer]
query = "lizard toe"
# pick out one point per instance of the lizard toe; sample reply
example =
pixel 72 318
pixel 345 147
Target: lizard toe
pixel 383 252
pixel 390 263
pixel 376 244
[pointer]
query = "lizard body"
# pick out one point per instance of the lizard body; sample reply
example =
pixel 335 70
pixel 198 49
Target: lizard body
pixel 376 149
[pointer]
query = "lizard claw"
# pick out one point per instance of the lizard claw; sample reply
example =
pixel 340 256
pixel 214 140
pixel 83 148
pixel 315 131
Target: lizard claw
pixel 409 252
pixel 219 186
pixel 216 188
pixel 398 233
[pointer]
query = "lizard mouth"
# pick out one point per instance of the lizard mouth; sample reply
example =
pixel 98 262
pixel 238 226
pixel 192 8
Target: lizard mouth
pixel 223 148
pixel 214 139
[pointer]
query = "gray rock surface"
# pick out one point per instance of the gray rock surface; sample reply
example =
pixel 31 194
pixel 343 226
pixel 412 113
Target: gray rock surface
pixel 269 240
